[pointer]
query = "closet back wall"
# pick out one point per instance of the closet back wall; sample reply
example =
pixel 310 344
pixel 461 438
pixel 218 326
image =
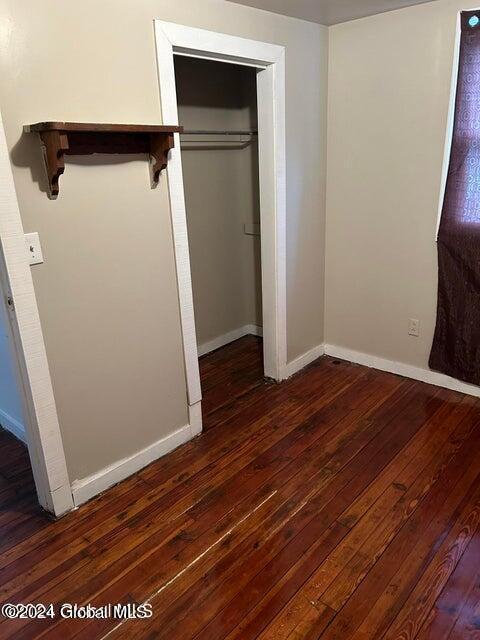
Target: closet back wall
pixel 222 195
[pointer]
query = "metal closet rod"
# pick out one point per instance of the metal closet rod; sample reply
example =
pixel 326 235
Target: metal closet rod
pixel 211 132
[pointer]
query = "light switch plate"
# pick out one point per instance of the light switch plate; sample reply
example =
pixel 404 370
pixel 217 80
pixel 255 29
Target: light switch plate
pixel 34 248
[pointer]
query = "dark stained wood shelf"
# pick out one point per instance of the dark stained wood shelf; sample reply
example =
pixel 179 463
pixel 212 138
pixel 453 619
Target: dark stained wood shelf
pixel 83 138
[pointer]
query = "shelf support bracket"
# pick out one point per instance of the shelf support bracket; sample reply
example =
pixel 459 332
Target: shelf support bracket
pixel 160 146
pixel 54 145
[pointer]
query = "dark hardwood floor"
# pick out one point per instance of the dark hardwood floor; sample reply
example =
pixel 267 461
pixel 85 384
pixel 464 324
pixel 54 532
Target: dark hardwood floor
pixel 16 480
pixel 341 504
pixel 227 374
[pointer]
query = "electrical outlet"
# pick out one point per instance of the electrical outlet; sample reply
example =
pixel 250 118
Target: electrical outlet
pixel 414 327
pixel 34 248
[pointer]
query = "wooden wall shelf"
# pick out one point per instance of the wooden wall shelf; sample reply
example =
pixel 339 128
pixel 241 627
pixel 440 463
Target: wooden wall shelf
pixel 79 138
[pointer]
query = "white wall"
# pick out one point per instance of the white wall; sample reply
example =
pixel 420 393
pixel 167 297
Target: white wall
pixel 222 195
pixel 11 412
pixel 389 86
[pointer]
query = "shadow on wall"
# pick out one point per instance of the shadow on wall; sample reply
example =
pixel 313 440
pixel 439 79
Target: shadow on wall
pixel 27 152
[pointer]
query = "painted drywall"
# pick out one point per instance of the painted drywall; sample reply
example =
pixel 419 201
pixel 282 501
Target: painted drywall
pixel 11 412
pixel 389 87
pixel 107 291
pixel 222 195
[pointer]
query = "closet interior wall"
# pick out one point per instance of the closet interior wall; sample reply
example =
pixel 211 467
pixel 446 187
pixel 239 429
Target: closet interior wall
pixel 222 196
pixel 11 403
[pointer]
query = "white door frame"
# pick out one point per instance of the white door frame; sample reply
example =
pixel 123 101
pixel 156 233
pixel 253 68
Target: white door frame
pixel 41 421
pixel 175 39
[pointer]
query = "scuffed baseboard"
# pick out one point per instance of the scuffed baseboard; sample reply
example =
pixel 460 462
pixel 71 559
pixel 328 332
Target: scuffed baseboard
pixel 86 488
pixel 408 371
pixel 226 338
pixel 12 425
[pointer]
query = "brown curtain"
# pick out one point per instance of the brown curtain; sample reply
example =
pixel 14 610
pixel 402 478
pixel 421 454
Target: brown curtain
pixel 456 343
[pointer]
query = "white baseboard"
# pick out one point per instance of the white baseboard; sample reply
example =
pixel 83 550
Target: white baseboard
pixel 417 373
pixel 195 418
pixel 226 338
pixel 304 360
pixel 83 490
pixel 15 427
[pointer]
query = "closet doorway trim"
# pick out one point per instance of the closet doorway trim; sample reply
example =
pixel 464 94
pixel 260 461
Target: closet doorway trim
pixel 175 39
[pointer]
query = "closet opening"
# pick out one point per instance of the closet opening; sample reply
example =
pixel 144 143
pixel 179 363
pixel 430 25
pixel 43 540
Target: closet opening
pixel 217 106
pixel 266 63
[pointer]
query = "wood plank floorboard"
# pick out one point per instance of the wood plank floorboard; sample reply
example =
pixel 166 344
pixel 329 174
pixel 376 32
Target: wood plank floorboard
pixel 341 504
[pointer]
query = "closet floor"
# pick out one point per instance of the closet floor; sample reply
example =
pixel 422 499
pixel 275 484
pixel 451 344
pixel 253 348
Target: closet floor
pixel 227 374
pixel 341 504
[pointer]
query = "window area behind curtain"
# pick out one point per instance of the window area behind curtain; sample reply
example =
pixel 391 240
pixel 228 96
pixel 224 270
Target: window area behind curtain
pixel 456 343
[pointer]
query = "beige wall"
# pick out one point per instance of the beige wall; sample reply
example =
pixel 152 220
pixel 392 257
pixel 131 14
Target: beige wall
pixel 107 291
pixel 221 191
pixel 389 84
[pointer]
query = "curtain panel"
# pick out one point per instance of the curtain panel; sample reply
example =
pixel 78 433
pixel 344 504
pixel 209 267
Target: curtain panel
pixel 456 343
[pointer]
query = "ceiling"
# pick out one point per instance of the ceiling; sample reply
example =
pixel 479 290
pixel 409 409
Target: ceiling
pixel 329 11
